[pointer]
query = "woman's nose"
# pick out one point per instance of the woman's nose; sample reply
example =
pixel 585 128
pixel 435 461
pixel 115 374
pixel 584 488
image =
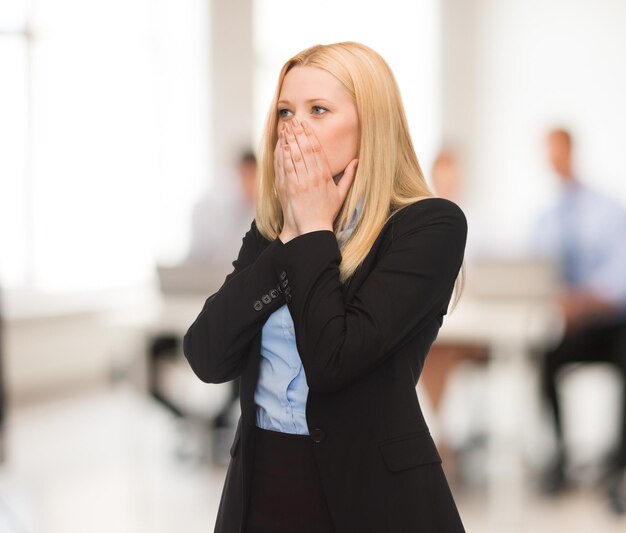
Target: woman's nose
pixel 302 118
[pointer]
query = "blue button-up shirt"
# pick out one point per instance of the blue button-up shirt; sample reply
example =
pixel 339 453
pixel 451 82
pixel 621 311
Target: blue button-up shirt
pixel 282 390
pixel 585 231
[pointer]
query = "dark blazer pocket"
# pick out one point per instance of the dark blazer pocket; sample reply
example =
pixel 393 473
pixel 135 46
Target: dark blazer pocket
pixel 235 445
pixel 409 450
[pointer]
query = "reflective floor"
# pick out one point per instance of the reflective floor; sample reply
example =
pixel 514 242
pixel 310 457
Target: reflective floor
pixel 110 460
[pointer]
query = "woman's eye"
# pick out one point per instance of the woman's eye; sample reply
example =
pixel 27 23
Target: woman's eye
pixel 320 107
pixel 280 111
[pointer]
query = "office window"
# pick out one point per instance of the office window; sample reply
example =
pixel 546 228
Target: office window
pixel 14 114
pixel 104 110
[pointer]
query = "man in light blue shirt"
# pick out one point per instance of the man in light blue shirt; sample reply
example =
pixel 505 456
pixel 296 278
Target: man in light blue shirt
pixel 282 389
pixel 585 232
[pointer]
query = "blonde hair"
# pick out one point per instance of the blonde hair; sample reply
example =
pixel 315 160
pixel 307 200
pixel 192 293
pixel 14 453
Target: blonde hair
pixel 388 177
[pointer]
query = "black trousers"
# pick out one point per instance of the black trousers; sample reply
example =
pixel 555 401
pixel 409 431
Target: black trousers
pixel 595 341
pixel 286 493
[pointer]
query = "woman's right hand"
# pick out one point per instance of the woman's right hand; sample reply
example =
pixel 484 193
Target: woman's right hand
pixel 289 230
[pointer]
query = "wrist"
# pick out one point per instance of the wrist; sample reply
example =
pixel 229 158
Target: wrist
pixel 314 225
pixel 286 235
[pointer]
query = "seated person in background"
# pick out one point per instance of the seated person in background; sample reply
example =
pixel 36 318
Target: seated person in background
pixel 222 216
pixel 220 220
pixel 585 232
pixel 444 356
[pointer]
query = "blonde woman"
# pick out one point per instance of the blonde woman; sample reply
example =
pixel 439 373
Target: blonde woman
pixel 339 290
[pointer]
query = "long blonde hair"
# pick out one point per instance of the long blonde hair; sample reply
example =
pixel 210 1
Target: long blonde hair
pixel 388 177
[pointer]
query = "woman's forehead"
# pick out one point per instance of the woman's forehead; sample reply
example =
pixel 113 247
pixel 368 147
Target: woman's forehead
pixel 306 84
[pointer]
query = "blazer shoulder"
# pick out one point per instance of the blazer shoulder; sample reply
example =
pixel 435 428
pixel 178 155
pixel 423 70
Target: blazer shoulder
pixel 254 230
pixel 432 210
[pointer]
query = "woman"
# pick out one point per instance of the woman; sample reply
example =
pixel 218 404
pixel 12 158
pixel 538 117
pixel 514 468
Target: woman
pixel 339 289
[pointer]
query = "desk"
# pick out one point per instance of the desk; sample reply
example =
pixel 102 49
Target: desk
pixel 511 327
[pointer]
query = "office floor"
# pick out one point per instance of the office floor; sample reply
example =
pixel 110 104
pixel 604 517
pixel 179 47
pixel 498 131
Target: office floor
pixel 106 460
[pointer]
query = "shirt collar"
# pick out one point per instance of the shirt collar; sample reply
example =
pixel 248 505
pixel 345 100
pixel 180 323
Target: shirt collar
pixel 344 234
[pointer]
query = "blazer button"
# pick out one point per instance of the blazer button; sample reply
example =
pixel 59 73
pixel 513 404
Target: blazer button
pixel 317 435
pixel 283 275
pixel 266 298
pixel 258 305
pixel 288 298
pixel 288 290
pixel 285 283
pixel 274 293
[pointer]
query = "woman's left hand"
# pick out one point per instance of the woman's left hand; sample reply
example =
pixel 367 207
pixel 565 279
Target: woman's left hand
pixel 314 198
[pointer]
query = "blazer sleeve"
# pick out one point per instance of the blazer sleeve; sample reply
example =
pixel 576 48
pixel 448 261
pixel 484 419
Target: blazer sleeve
pixel 411 283
pixel 216 343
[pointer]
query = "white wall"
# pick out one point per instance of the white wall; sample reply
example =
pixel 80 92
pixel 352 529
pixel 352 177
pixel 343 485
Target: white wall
pixel 513 68
pixel 405 34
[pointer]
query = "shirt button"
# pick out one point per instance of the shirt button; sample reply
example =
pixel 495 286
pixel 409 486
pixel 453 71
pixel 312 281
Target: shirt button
pixel 258 305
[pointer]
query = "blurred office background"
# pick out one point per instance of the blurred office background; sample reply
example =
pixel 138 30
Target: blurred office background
pixel 123 129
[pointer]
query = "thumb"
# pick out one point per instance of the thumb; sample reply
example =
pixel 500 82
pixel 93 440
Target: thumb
pixel 346 180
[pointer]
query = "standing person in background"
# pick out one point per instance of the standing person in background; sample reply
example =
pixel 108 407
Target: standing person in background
pixel 339 289
pixel 585 231
pixel 219 220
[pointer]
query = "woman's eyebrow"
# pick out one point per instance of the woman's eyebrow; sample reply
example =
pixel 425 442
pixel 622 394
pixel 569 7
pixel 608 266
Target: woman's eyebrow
pixel 307 101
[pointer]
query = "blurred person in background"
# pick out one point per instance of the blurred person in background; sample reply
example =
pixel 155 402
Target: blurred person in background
pixel 219 220
pixel 222 215
pixel 444 357
pixel 585 231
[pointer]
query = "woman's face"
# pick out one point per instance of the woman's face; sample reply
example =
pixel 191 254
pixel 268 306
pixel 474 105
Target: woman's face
pixel 314 95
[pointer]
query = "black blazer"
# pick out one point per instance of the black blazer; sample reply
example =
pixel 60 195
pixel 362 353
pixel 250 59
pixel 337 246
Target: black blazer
pixel 362 345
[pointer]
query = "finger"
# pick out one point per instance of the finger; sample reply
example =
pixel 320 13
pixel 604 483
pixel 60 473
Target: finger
pixel 296 154
pixel 306 149
pixel 280 158
pixel 289 170
pixel 277 161
pixel 283 148
pixel 277 151
pixel 346 180
pixel 316 149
